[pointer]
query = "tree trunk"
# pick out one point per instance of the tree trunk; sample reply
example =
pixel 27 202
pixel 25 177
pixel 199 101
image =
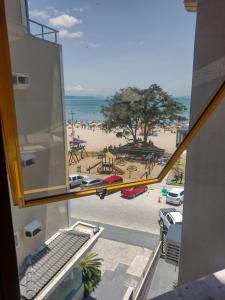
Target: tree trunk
pixel 145 125
pixel 145 133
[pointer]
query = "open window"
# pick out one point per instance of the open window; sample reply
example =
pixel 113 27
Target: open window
pixel 141 137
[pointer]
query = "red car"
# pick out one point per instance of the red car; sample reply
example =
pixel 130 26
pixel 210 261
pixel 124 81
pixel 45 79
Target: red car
pixel 113 179
pixel 134 191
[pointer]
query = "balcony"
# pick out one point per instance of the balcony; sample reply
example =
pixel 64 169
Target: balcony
pixel 42 31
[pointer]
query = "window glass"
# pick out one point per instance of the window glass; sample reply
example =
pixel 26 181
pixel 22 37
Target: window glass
pixel 173 194
pixel 128 123
pixel 170 219
pixel 69 287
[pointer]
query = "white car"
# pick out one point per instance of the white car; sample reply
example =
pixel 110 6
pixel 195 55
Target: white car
pixel 175 196
pixel 76 179
pixel 169 216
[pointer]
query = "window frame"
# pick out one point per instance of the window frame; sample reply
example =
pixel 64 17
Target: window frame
pixel 11 141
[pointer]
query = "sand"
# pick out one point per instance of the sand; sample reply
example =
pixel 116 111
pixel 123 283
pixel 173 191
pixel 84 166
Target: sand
pixel 97 139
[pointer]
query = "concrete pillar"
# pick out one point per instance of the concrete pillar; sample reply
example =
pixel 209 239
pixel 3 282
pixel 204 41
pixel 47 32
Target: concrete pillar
pixel 203 237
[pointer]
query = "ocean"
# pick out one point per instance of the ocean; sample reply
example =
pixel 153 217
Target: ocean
pixel 87 108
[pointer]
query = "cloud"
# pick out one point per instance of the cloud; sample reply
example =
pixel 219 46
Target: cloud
pixel 64 33
pixel 39 13
pixel 64 21
pixel 78 88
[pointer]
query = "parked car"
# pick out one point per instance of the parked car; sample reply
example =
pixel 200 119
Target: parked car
pixel 113 179
pixel 175 196
pixel 76 179
pixel 133 192
pixel 169 216
pixel 90 182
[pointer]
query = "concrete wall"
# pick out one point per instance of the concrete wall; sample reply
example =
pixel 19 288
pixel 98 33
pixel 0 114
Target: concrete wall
pixel 203 238
pixel 14 11
pixel 39 111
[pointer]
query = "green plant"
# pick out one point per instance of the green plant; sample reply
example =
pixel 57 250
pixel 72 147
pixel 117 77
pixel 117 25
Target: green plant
pixel 91 272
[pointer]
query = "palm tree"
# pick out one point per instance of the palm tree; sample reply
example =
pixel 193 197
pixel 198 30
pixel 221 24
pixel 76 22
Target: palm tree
pixel 91 272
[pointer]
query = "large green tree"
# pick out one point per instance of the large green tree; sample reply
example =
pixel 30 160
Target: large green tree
pixel 131 108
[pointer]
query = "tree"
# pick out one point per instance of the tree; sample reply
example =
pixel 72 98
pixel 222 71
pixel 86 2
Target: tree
pixel 121 115
pixel 91 272
pixel 131 108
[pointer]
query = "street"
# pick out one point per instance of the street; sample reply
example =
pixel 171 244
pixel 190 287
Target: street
pixel 131 234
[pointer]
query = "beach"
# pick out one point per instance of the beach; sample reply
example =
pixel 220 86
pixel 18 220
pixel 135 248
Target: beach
pixel 100 154
pixel 97 139
pixel 94 140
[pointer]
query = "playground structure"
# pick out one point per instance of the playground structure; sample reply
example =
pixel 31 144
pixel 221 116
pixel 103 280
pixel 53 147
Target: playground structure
pixel 105 165
pixel 77 151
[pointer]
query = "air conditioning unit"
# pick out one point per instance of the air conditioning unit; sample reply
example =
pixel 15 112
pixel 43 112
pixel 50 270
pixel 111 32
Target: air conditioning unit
pixel 27 159
pixel 20 81
pixel 32 229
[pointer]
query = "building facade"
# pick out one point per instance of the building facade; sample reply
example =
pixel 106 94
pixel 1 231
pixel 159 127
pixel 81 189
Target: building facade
pixel 38 93
pixel 203 241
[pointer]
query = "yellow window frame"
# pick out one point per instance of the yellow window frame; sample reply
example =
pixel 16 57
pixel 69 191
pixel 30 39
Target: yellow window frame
pixel 11 141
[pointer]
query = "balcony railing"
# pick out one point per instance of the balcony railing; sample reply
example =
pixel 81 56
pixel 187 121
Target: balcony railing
pixel 42 31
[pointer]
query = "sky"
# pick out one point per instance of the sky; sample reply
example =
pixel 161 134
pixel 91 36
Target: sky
pixel 112 44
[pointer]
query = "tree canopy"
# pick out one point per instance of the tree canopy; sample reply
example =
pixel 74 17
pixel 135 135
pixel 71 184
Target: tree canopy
pixel 132 108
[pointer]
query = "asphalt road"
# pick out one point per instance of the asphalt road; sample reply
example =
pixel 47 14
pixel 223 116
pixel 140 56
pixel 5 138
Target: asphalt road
pixel 140 213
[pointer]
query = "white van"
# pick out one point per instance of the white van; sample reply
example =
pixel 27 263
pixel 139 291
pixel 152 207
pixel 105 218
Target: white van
pixel 175 196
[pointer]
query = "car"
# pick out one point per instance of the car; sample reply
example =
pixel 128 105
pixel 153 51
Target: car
pixel 133 192
pixel 76 179
pixel 113 179
pixel 90 182
pixel 175 196
pixel 169 216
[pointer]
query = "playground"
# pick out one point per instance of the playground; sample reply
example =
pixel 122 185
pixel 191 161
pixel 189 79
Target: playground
pixel 104 164
pixel 132 161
